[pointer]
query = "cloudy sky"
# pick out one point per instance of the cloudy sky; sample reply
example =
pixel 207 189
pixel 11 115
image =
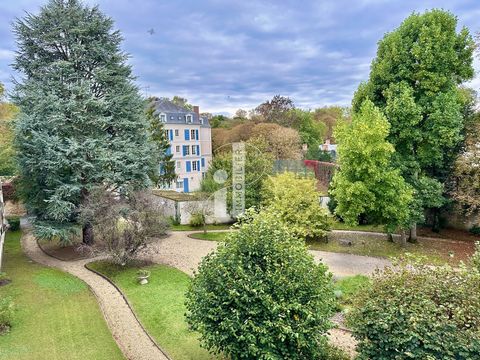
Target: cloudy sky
pixel 224 55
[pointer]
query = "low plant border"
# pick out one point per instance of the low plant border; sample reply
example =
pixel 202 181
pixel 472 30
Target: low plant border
pixel 129 306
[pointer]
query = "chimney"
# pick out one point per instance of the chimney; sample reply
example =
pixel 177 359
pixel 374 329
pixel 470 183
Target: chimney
pixel 196 110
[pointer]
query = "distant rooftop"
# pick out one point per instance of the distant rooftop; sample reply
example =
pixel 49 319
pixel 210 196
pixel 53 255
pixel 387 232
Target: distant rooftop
pixel 176 114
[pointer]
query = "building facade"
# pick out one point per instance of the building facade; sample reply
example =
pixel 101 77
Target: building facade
pixel 190 137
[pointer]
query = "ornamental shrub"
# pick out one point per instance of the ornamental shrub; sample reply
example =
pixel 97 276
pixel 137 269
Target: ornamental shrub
pixel 14 223
pixel 296 202
pixel 262 296
pixel 476 256
pixel 413 311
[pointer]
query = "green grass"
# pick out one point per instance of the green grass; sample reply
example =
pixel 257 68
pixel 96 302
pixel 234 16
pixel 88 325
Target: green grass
pixel 187 227
pixel 159 306
pixel 368 228
pixel 349 287
pixel 211 236
pixel 56 316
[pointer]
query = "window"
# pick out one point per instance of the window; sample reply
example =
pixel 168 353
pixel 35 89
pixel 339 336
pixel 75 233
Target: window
pixel 186 150
pixel 188 118
pixel 163 118
pixel 177 148
pixel 194 149
pixel 194 166
pixel 192 134
pixel 176 132
pixel 171 117
pixel 179 118
pixel 179 165
pixel 166 133
pixel 179 184
pixel 201 120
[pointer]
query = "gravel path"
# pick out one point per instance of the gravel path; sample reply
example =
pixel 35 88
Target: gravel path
pixel 126 330
pixel 184 253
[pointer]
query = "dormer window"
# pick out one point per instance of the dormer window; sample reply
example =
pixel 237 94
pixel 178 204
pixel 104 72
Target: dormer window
pixel 163 118
pixel 201 120
pixel 188 118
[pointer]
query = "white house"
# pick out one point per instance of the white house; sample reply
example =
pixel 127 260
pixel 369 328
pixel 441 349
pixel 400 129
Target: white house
pixel 190 138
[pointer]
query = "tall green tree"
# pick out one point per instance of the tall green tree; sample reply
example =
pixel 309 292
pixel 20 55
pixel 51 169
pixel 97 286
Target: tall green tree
pixel 415 80
pixel 82 121
pixel 366 183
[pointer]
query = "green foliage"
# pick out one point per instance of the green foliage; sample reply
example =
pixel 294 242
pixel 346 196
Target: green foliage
pixel 351 286
pixel 415 80
pixel 475 230
pixel 14 223
pixel 6 314
pixel 82 120
pixel 476 256
pixel 196 220
pixel 295 201
pixel 7 152
pixel 419 312
pixel 315 153
pixel 367 184
pixel 258 165
pixel 261 296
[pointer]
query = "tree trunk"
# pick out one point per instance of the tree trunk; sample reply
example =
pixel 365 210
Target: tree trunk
pixel 87 234
pixel 413 234
pixel 390 237
pixel 403 238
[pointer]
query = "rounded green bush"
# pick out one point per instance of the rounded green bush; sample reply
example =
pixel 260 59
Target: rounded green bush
pixel 414 311
pixel 261 296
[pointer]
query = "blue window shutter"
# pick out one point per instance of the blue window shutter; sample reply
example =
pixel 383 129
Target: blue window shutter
pixel 196 134
pixel 184 150
pixel 171 134
pixel 198 165
pixel 169 150
pixel 198 149
pixel 187 134
pixel 189 166
pixel 203 162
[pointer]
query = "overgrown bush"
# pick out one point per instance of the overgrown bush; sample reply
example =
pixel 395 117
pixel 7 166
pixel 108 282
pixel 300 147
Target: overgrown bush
pixel 6 314
pixel 296 202
pixel 14 223
pixel 123 225
pixel 261 296
pixel 413 311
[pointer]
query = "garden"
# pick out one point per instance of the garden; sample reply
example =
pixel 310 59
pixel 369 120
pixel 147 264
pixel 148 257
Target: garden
pixel 374 275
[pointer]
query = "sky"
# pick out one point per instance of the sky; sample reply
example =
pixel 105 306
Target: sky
pixel 228 54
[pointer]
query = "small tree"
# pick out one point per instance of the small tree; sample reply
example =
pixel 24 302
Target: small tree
pixel 366 184
pixel 296 202
pixel 414 311
pixel 124 224
pixel 261 296
pixel 199 212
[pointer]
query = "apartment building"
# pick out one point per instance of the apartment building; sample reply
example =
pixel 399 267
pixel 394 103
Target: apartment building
pixel 190 137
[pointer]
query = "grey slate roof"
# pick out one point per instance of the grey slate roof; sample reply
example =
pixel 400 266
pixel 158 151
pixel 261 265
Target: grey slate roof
pixel 177 114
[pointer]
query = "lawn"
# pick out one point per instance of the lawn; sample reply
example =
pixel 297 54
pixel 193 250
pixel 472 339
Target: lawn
pixel 187 227
pixel 436 252
pixel 349 287
pixel 56 317
pixel 160 306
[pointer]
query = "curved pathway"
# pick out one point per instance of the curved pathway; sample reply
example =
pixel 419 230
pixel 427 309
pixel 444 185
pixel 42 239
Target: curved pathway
pixel 125 328
pixel 185 253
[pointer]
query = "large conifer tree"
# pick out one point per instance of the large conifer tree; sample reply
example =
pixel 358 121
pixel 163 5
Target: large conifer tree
pixel 82 120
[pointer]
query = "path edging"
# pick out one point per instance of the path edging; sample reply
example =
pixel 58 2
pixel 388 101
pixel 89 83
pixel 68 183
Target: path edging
pixel 117 288
pixel 129 306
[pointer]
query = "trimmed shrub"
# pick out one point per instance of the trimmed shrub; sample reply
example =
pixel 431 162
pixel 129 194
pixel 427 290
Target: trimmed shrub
pixel 6 314
pixel 14 223
pixel 476 256
pixel 414 311
pixel 261 296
